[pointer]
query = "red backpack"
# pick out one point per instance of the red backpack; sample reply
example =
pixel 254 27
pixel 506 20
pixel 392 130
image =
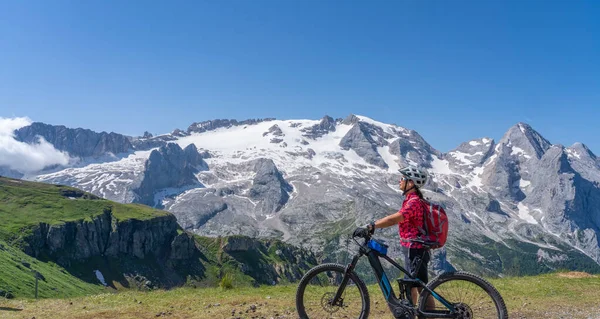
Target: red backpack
pixel 436 224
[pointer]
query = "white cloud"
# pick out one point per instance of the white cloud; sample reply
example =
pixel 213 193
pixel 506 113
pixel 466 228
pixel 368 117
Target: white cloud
pixel 25 157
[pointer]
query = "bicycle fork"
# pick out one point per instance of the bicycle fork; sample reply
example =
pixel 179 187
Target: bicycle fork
pixel 337 299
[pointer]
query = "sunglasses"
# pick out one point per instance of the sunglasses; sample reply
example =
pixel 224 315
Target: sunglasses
pixel 403 178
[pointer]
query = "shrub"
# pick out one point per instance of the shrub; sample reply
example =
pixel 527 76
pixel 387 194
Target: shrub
pixel 226 282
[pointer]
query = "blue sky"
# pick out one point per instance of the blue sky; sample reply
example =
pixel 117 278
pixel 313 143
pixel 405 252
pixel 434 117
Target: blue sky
pixel 452 70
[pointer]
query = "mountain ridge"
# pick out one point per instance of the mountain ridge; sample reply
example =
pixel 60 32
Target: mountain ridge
pixel 344 172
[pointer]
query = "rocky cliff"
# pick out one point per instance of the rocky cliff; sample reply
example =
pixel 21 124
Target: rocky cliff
pixel 149 252
pixel 77 142
pixel 169 167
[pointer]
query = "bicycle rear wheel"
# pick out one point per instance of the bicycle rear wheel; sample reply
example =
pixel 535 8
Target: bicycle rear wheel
pixel 318 287
pixel 471 295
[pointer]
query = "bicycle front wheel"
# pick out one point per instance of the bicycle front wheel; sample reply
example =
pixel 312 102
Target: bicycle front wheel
pixel 471 296
pixel 317 290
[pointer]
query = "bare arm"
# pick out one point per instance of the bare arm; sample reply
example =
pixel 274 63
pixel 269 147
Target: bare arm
pixel 389 220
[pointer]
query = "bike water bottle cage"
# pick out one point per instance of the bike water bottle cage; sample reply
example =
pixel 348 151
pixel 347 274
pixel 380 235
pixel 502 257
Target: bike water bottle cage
pixel 378 246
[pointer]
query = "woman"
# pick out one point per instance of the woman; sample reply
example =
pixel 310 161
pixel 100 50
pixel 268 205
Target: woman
pixel 410 226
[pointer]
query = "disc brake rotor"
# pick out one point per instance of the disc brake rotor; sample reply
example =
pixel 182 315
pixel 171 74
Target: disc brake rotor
pixel 463 311
pixel 326 302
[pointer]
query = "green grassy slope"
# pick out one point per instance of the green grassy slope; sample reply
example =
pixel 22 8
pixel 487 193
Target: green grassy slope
pixel 17 276
pixel 24 205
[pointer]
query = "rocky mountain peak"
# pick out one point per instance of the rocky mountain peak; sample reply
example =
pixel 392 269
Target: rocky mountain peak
pixel 169 166
pixel 580 151
pixel 147 135
pixel 557 159
pixel 360 140
pixel 275 130
pixel 525 142
pixel 584 161
pixel 326 125
pixel 269 186
pixel 351 120
pixel 470 154
pixel 179 133
pixel 412 149
pixel 570 197
pixel 194 158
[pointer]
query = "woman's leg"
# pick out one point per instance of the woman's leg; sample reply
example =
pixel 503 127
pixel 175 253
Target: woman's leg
pixel 419 262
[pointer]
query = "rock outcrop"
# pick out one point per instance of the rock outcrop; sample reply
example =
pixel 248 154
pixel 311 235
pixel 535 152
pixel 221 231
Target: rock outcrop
pixel 326 125
pixel 268 186
pixel 77 142
pixel 170 166
pixel 126 251
pixel 359 140
pixel 199 127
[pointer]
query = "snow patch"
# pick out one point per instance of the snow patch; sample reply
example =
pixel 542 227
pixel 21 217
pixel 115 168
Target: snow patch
pixel 473 254
pixel 524 183
pixel 162 194
pixel 248 199
pixel 440 166
pixel 491 159
pixel 518 150
pixel 389 128
pixel 100 277
pixel 571 153
pixel 102 178
pixel 226 142
pixel 544 255
pixel 462 157
pixel 390 160
pixel 474 143
pixel 476 177
pixel 525 215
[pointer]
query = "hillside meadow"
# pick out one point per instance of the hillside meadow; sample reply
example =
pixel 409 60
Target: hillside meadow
pixel 556 295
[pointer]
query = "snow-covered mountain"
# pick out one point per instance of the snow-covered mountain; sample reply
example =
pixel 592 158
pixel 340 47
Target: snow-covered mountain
pixel 518 206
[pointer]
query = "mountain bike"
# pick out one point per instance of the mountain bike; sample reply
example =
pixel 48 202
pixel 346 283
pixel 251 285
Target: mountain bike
pixel 335 291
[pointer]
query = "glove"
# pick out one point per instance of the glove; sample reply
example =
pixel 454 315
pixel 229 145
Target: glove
pixel 361 232
pixel 364 231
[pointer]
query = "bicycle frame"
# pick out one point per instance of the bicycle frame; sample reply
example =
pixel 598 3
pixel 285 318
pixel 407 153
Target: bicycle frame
pixel 386 287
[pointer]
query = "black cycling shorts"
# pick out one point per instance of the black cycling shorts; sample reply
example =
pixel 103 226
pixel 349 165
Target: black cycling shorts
pixel 412 257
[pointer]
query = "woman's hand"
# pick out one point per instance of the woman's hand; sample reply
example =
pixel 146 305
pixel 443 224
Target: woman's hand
pixel 362 232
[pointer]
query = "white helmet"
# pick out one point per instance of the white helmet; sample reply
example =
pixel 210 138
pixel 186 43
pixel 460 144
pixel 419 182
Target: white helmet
pixel 417 175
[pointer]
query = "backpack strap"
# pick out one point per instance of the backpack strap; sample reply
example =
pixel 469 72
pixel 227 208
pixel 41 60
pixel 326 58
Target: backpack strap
pixel 424 230
pixel 423 242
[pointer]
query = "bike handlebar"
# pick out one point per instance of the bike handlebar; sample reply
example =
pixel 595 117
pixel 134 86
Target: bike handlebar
pixel 425 243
